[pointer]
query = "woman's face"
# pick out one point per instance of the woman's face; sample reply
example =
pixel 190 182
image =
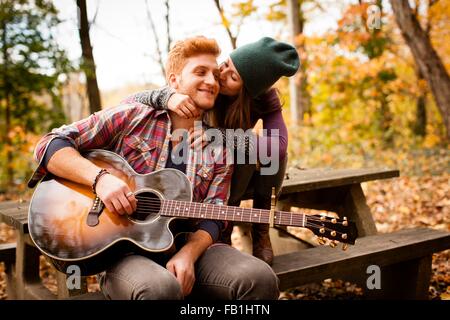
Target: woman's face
pixel 230 81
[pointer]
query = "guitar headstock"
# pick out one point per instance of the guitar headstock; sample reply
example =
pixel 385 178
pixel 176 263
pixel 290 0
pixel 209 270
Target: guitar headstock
pixel 334 229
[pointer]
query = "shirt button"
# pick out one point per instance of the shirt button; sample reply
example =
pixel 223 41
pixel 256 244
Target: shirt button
pixel 163 159
pixel 205 175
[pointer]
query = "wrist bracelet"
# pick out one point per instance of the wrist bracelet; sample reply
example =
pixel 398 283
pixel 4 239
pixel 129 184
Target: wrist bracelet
pixel 99 174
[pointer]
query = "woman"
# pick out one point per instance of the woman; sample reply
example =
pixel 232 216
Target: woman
pixel 246 96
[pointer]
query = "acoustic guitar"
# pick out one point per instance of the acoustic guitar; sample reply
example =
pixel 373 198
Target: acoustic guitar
pixel 71 226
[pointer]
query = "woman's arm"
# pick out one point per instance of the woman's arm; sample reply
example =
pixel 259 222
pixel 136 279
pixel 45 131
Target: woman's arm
pixel 157 98
pixel 275 128
pixel 166 98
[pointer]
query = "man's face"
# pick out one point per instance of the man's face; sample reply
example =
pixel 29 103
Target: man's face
pixel 199 79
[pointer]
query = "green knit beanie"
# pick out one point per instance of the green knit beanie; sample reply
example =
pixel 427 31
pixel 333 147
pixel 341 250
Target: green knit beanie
pixel 260 64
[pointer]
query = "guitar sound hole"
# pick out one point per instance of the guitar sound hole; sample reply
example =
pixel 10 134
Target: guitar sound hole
pixel 148 207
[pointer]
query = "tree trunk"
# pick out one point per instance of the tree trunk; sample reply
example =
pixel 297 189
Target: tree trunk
pixel 7 87
pixel 426 58
pixel 386 121
pixel 169 40
pixel 300 100
pixel 233 39
pixel 88 59
pixel 420 126
pixel 155 35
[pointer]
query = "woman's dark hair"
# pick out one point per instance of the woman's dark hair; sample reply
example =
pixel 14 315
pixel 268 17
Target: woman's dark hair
pixel 233 112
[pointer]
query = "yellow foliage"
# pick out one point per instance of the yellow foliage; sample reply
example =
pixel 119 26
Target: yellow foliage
pixel 431 140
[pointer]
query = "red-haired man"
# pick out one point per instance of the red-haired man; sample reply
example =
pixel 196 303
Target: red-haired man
pixel 143 136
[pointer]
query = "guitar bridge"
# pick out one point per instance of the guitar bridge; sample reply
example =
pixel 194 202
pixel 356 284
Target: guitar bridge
pixel 95 212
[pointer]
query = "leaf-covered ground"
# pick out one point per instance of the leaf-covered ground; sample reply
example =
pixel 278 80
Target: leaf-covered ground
pixel 419 197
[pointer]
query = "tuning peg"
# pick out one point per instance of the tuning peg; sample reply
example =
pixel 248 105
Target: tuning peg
pixel 333 233
pixel 333 244
pixel 344 236
pixel 322 218
pixel 344 246
pixel 321 240
pixel 322 230
pixel 345 222
pixel 333 221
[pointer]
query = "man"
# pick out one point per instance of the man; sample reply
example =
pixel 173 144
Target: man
pixel 142 135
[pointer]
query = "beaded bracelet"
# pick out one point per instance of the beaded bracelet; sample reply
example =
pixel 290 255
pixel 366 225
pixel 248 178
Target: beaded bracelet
pixel 99 174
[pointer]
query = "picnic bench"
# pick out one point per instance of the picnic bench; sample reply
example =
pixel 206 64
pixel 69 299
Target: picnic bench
pixel 404 257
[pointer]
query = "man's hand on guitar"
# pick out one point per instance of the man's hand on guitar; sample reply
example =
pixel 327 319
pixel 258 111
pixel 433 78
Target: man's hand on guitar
pixel 181 265
pixel 113 192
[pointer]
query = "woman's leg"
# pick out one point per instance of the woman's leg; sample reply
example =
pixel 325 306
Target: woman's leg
pixel 139 278
pixel 240 182
pixel 225 273
pixel 262 191
pixel 246 180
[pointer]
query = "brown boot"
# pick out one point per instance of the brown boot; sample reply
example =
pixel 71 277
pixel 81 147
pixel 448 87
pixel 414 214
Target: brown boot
pixel 262 247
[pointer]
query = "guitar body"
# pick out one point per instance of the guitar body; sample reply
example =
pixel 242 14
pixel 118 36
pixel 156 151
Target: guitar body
pixel 59 211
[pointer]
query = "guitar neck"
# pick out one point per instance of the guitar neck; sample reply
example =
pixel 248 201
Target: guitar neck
pixel 198 210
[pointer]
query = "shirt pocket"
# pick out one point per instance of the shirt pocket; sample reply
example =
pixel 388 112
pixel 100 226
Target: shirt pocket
pixel 203 178
pixel 136 148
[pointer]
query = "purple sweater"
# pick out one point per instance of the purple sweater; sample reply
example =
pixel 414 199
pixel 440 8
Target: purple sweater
pixel 268 108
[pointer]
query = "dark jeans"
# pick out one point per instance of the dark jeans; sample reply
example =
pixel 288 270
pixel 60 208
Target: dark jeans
pixel 247 182
pixel 221 273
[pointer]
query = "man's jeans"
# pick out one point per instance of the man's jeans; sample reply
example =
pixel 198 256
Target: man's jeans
pixel 221 273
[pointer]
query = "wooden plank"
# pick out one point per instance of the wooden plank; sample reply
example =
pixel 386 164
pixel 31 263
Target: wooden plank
pixel 28 283
pixel 319 263
pixel 406 280
pixel 355 208
pixel 346 201
pixel 17 217
pixel 312 179
pixel 37 291
pixel 7 246
pixel 13 203
pixel 8 252
pixel 8 257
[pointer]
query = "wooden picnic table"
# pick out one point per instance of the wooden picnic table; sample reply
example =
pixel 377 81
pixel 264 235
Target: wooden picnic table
pixel 336 190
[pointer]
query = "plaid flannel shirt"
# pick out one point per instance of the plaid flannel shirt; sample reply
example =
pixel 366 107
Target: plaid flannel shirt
pixel 141 135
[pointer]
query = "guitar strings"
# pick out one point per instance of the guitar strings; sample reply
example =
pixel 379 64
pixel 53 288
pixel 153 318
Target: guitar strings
pixel 159 203
pixel 296 219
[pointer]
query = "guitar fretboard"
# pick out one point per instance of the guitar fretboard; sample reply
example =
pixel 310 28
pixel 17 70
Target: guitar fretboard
pixel 198 210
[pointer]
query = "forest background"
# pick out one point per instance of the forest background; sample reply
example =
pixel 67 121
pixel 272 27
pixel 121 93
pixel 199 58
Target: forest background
pixel 373 89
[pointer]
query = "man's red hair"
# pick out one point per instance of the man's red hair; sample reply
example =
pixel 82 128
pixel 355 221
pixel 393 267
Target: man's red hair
pixel 182 50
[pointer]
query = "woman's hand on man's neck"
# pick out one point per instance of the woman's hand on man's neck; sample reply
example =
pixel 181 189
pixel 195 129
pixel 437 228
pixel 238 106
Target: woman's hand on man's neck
pixel 183 123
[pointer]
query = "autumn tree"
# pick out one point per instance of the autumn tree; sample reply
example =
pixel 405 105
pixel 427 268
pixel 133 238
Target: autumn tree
pixel 358 32
pixel 300 99
pixel 420 123
pixel 160 52
pixel 425 56
pixel 233 20
pixel 31 64
pixel 88 62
